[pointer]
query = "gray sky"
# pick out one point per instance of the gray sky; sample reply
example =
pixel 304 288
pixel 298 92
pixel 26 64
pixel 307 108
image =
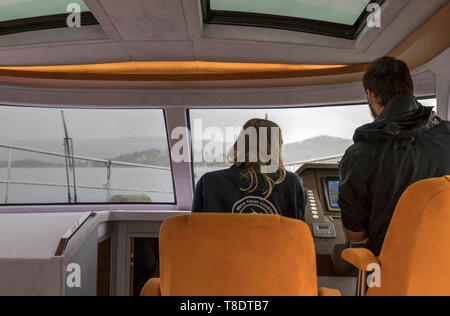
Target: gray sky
pixel 46 124
pixel 296 124
pixel 25 123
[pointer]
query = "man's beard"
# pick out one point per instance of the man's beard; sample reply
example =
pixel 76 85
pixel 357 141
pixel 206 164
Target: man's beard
pixel 374 115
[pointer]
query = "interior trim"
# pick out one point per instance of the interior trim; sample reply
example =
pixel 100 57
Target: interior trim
pixel 177 71
pixel 430 40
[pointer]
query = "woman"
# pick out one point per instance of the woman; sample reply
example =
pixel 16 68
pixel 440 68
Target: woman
pixel 252 185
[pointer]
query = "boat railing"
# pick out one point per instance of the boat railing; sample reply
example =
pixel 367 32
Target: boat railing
pixel 293 166
pixel 108 164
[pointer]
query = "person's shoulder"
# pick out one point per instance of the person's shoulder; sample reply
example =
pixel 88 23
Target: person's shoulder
pixel 444 127
pixel 292 178
pixel 358 149
pixel 359 155
pixel 217 173
pixel 440 133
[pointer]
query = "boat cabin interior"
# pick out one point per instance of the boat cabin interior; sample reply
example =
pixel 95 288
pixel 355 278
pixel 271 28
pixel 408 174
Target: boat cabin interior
pixel 111 111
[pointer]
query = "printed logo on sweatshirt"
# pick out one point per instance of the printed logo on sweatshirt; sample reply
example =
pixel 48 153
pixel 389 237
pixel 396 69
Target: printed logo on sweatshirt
pixel 254 205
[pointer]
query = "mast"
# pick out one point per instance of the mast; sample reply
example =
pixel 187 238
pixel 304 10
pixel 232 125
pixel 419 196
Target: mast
pixel 69 162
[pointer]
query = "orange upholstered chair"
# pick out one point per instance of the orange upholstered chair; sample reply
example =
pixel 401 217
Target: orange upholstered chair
pixel 235 255
pixel 416 252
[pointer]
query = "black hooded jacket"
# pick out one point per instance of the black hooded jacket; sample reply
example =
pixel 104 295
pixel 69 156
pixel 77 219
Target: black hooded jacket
pixel 405 144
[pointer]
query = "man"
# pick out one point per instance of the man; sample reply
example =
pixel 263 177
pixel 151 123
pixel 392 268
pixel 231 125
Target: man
pixel 406 143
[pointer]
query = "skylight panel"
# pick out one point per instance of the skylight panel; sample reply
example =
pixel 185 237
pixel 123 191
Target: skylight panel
pixel 24 9
pixel 17 16
pixel 336 18
pixel 337 11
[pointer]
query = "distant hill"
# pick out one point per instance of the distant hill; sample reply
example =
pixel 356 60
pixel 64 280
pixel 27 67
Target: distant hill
pixel 317 147
pixel 95 148
pixel 152 156
pixel 30 163
pixel 142 151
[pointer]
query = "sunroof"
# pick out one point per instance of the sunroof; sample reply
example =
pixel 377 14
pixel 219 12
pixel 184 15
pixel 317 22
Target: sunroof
pixel 29 15
pixel 337 11
pixel 339 18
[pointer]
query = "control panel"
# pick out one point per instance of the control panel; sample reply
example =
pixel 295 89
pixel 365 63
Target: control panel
pixel 324 230
pixel 321 182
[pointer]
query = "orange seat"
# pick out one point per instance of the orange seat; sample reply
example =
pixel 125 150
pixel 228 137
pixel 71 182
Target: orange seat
pixel 416 252
pixel 235 255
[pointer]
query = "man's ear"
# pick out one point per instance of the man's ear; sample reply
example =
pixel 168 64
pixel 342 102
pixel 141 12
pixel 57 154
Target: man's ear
pixel 371 96
pixel 376 108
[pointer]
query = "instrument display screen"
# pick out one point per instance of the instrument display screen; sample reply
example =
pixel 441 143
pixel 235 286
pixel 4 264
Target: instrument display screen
pixel 332 192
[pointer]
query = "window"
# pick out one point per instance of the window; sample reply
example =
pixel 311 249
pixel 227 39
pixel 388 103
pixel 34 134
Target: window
pixel 432 102
pixel 119 156
pixel 309 133
pixel 30 15
pixel 314 134
pixel 339 18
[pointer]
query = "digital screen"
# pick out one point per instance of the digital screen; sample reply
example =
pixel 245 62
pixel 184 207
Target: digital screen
pixel 333 192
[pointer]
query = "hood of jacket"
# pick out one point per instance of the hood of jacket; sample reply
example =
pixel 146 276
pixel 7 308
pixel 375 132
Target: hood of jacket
pixel 403 118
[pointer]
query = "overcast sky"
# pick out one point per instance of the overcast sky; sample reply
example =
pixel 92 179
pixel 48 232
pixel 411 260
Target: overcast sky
pixel 296 124
pixel 23 123
pixel 46 124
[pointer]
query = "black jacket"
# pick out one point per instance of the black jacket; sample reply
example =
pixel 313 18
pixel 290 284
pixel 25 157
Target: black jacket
pixel 405 144
pixel 220 192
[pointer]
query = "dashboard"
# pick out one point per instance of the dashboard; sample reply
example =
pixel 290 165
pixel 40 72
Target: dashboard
pixel 323 215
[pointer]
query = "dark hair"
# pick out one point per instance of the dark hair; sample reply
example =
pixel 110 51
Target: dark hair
pixel 388 77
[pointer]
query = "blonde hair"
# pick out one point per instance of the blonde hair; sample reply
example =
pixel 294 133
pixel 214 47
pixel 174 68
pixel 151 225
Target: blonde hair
pixel 241 156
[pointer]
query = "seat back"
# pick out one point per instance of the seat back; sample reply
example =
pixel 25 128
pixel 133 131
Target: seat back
pixel 416 252
pixel 236 255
